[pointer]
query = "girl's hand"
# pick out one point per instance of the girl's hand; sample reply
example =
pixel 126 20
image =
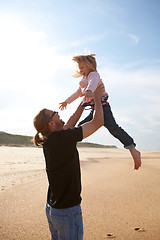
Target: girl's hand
pixel 63 105
pixel 88 96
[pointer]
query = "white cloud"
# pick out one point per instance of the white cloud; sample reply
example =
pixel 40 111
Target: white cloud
pixel 142 78
pixel 134 38
pixel 135 96
pixel 26 57
pixel 29 65
pixel 83 42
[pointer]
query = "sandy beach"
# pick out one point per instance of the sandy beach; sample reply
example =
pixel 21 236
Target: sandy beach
pixel 117 201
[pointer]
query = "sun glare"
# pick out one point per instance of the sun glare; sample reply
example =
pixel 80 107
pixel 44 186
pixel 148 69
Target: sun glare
pixel 26 55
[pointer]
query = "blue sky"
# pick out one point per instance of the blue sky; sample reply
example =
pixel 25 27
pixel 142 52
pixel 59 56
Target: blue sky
pixel 38 40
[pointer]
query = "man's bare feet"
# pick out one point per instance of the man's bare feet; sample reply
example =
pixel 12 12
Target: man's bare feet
pixel 136 157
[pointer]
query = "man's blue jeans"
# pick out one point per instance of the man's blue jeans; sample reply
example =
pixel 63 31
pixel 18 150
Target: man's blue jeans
pixel 65 224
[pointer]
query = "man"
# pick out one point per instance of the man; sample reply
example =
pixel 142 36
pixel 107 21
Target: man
pixel 63 168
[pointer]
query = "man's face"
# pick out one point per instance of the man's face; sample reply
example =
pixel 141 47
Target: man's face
pixel 55 118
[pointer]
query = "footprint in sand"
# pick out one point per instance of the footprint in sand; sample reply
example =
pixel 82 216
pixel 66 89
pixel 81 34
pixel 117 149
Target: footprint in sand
pixel 139 229
pixel 110 235
pixel 2 188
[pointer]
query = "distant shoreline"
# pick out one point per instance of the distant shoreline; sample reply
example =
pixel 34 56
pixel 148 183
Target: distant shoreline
pixel 13 140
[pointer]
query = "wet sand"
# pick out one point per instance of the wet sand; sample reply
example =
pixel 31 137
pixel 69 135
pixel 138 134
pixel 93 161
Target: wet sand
pixel 116 199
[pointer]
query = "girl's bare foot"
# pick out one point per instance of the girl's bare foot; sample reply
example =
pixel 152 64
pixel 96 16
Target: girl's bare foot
pixel 136 157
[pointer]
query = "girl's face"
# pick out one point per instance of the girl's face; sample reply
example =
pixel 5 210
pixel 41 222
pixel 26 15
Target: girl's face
pixel 84 69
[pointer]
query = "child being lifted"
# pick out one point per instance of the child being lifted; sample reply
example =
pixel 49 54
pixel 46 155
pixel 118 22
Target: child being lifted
pixel 87 69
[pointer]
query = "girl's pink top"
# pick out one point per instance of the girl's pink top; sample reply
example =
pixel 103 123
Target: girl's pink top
pixel 90 83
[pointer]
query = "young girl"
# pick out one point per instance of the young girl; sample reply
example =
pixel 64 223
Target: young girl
pixel 87 69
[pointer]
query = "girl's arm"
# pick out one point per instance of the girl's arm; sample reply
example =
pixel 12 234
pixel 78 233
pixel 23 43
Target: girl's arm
pixel 74 96
pixel 69 100
pixel 98 119
pixel 93 80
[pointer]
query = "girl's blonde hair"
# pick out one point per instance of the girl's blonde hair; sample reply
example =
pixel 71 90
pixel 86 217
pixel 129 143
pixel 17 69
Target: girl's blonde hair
pixel 40 123
pixel 88 59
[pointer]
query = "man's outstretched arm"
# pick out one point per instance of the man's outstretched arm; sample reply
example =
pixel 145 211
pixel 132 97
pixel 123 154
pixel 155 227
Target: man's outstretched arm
pixel 98 119
pixel 74 118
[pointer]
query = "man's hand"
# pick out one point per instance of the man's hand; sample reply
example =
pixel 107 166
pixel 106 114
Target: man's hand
pixel 99 92
pixel 88 96
pixel 63 105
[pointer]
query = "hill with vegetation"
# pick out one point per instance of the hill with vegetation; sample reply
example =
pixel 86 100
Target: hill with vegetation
pixel 7 139
pixel 94 145
pixel 12 140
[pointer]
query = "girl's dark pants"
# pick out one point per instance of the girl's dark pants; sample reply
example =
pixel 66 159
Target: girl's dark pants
pixel 112 126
